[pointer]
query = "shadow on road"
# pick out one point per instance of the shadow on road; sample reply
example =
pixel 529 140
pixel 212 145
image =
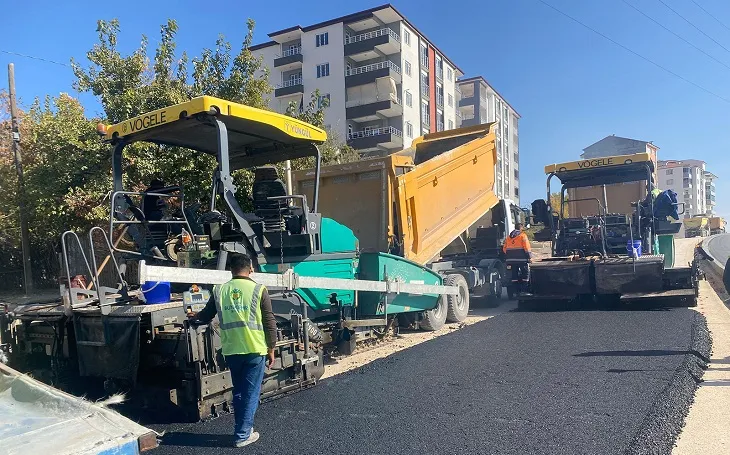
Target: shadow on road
pixel 642 353
pixel 184 439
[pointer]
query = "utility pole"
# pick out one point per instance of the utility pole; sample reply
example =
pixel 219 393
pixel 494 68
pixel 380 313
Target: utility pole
pixel 24 237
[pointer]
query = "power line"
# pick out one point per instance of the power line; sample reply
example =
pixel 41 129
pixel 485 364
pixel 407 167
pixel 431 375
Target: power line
pixel 34 58
pixel 693 25
pixel 711 15
pixel 634 52
pixel 675 34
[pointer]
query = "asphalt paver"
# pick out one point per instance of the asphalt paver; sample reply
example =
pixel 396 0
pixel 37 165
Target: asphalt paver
pixel 581 382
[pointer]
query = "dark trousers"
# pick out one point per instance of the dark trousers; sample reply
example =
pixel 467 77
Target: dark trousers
pixel 519 274
pixel 247 372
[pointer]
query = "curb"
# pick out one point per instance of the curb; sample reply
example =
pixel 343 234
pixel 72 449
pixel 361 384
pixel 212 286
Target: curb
pixel 665 420
pixel 711 260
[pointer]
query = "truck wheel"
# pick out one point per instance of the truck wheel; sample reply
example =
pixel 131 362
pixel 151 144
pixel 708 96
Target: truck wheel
pixel 435 318
pixel 458 305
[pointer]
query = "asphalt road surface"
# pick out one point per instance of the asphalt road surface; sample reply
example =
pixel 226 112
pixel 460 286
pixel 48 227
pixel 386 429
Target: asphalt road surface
pixel 719 247
pixel 590 382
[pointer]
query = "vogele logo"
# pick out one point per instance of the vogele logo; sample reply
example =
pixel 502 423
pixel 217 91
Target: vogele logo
pixel 296 129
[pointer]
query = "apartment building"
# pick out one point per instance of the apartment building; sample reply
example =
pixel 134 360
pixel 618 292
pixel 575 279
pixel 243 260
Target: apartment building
pixel 710 193
pixel 386 83
pixel 687 178
pixel 619 196
pixel 480 103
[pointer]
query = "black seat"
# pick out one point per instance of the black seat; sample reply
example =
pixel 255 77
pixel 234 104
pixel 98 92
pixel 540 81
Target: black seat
pixel 267 184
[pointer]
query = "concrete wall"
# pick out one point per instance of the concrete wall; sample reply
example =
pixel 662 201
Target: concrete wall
pixel 410 83
pixel 334 84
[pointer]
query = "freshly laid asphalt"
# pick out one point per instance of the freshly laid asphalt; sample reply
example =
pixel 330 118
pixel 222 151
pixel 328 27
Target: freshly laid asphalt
pixel 590 382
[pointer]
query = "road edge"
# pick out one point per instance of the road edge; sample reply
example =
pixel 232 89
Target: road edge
pixel 664 422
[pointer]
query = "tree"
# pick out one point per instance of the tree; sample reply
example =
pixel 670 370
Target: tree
pixel 334 150
pixel 555 204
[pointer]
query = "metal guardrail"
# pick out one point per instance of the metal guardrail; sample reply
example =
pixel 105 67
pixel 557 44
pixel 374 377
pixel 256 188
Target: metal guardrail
pixel 372 67
pixel 375 132
pixel 292 51
pixel 290 83
pixel 373 34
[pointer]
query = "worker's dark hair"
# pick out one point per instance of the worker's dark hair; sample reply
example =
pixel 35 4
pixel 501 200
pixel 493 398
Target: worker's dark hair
pixel 518 225
pixel 157 183
pixel 239 262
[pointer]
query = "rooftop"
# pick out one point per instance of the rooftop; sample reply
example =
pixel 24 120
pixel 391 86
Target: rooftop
pixel 484 81
pixel 680 163
pixel 284 34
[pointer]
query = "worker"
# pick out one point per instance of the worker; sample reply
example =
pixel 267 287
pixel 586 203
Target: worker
pixel 518 254
pixel 152 206
pixel 248 337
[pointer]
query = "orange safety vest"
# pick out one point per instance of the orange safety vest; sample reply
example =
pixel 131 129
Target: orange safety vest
pixel 519 242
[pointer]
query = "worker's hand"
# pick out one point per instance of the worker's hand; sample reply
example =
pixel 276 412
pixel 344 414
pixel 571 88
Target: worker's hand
pixel 191 314
pixel 270 358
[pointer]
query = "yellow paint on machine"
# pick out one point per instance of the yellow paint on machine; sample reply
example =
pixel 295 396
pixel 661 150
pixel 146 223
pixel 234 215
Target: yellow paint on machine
pixel 206 104
pixel 593 163
pixel 415 201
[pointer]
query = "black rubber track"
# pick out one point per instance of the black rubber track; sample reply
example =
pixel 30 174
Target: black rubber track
pixel 592 382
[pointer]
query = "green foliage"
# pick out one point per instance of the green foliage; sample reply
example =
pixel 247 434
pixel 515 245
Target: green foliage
pixel 68 169
pixel 334 150
pixel 555 204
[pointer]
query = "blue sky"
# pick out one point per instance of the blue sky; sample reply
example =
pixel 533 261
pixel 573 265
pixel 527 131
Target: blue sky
pixel 571 86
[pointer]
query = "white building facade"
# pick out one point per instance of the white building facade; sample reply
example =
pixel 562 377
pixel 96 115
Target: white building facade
pixel 385 82
pixel 480 103
pixel 710 193
pixel 687 178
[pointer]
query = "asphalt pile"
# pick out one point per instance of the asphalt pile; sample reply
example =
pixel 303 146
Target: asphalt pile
pixel 590 382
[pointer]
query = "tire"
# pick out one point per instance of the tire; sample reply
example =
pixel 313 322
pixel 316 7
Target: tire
pixel 435 318
pixel 458 305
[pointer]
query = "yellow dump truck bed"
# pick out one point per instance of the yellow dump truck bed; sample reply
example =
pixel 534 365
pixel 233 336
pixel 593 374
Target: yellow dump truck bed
pixel 717 223
pixel 695 222
pixel 414 202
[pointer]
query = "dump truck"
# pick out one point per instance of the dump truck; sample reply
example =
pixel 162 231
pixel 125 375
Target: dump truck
pixel 717 225
pixel 696 226
pixel 120 322
pixel 432 203
pixel 611 257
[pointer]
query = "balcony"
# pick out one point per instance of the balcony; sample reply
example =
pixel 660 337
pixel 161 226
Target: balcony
pixel 439 100
pixel 426 91
pixel 467 100
pixel 290 87
pixel 372 109
pixel 290 59
pixel 439 73
pixel 370 45
pixel 373 139
pixel 440 126
pixel 425 118
pixel 369 73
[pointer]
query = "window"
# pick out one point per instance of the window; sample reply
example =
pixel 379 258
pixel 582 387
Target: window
pixel 409 99
pixel 408 68
pixel 670 171
pixel 349 130
pixel 449 74
pixel 451 124
pixel 407 37
pixel 409 129
pixel 424 56
pixel 323 101
pixel 517 192
pixel 323 70
pixel 451 100
pixel 517 174
pixel 670 181
pixel 323 39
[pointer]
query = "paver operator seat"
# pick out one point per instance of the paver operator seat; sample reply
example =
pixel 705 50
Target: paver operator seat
pixel 267 184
